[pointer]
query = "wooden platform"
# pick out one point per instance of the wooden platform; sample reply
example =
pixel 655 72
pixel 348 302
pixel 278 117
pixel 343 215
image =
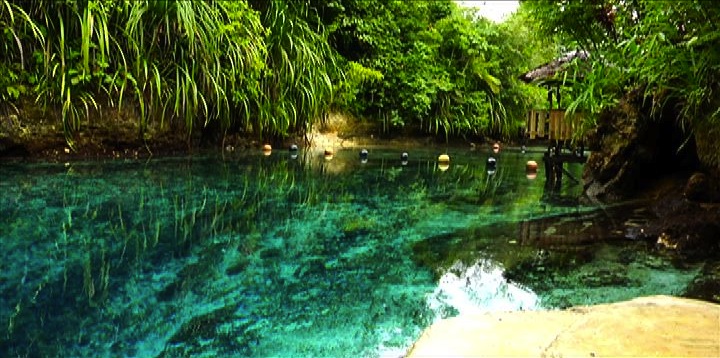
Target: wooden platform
pixel 551 125
pixel 560 132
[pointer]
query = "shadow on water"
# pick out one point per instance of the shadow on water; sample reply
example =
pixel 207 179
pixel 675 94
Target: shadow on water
pixel 254 255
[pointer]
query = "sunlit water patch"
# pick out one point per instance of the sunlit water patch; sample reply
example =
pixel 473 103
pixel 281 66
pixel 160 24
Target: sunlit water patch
pixel 256 256
pixel 480 287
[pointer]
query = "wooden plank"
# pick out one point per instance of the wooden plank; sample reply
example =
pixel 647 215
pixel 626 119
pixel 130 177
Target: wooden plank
pixel 554 126
pixel 530 126
pixel 551 125
pixel 533 124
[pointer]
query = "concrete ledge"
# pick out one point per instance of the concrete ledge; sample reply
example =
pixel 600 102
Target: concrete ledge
pixel 657 326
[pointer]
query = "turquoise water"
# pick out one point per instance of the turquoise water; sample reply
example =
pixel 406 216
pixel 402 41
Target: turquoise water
pixel 254 256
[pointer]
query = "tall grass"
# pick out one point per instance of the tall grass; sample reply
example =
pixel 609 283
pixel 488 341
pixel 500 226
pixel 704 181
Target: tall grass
pixel 181 64
pixel 16 26
pixel 296 88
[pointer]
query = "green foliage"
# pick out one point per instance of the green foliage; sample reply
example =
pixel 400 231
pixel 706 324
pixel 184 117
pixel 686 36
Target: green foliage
pixel 183 63
pixel 268 67
pixel 667 50
pixel 297 87
pixel 16 25
pixel 356 75
pixel 681 65
pixel 444 69
pixel 189 55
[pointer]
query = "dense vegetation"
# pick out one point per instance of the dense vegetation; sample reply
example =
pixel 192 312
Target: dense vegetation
pixel 271 68
pixel 275 68
pixel 665 50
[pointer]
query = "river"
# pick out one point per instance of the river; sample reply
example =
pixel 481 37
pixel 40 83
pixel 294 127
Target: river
pixel 294 254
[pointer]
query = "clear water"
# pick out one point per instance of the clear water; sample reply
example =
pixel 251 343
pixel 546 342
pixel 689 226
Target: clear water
pixel 256 256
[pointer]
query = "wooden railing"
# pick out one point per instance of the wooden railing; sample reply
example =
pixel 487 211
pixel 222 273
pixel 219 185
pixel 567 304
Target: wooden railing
pixel 550 124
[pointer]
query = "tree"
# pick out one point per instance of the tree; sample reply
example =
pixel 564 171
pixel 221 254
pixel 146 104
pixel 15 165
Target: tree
pixel 665 49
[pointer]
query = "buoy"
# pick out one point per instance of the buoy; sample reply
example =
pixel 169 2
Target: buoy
pixel 531 169
pixel 523 149
pixel 363 156
pixel 443 162
pixel 496 148
pixel 293 151
pixel 329 153
pixel 491 162
pixel 267 149
pixel 404 158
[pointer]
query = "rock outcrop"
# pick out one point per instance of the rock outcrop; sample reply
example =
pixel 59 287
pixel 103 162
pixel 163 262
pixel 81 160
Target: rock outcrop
pixel 631 149
pixel 637 152
pixel 657 326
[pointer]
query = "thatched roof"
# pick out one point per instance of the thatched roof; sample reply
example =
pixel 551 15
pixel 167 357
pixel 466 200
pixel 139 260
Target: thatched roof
pixel 546 72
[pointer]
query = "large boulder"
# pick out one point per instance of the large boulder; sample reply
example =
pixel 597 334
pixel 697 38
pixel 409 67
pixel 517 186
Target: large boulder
pixel 657 326
pixel 631 149
pixel 641 154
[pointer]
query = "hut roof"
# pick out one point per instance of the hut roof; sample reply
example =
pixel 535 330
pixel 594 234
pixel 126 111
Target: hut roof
pixel 546 72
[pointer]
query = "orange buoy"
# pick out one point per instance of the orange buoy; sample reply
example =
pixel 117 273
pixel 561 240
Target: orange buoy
pixel 267 149
pixel 531 169
pixel 496 147
pixel 329 152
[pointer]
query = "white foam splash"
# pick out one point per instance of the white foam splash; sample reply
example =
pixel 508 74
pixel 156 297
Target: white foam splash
pixel 479 288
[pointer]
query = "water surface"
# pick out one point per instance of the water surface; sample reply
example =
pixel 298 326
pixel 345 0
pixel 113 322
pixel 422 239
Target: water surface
pixel 255 256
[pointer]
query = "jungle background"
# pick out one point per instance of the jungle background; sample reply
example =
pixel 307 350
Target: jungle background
pixel 85 76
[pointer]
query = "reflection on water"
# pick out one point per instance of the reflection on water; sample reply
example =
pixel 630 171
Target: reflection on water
pixel 291 254
pixel 480 287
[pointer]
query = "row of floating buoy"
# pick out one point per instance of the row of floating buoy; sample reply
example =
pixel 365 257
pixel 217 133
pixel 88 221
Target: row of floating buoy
pixel 443 159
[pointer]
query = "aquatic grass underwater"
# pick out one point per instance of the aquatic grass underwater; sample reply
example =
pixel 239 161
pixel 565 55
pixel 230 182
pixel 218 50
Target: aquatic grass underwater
pixel 254 256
